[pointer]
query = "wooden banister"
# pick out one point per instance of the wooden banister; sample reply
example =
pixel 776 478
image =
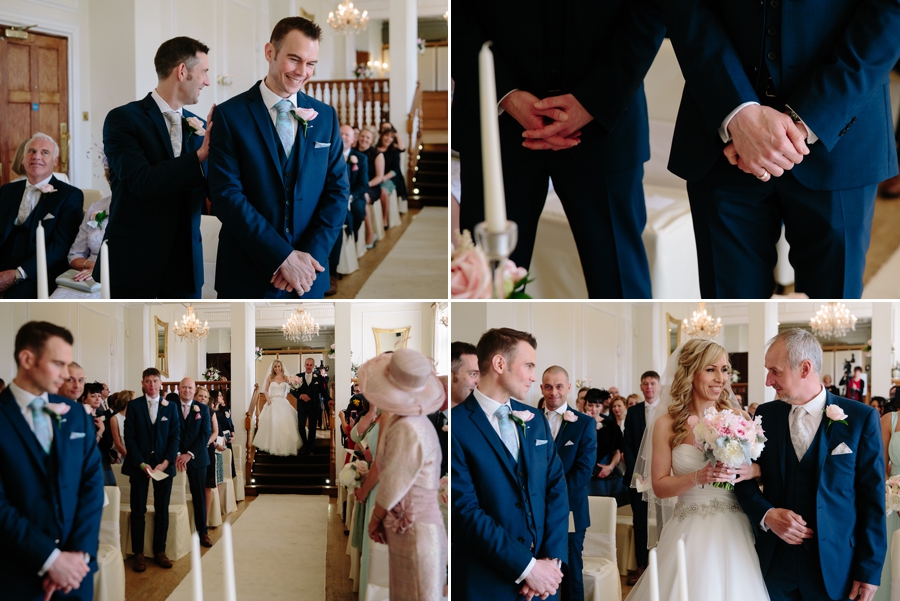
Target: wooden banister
pixel 359 102
pixel 414 129
pixel 211 386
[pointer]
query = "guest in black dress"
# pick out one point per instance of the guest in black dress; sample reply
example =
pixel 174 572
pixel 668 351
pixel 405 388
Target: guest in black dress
pixel 202 396
pixel 222 410
pixel 376 175
pixel 91 399
pixel 606 480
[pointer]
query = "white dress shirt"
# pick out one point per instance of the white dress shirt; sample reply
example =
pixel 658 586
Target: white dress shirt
pixel 270 99
pixel 555 417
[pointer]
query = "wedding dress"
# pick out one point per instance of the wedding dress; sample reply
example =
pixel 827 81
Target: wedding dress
pixel 718 542
pixel 277 431
pixel 893 521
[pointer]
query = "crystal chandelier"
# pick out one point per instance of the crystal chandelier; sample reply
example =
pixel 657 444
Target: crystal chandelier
pixel 348 19
pixel 832 321
pixel 300 327
pixel 190 327
pixel 702 325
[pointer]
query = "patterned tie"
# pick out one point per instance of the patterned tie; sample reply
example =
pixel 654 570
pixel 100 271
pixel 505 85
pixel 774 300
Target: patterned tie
pixel 41 423
pixel 800 431
pixel 283 125
pixel 27 204
pixel 174 120
pixel 553 418
pixel 185 408
pixel 507 431
pixel 153 407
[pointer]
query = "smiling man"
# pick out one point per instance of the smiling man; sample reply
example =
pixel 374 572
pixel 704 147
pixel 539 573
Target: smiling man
pixel 38 199
pixel 278 228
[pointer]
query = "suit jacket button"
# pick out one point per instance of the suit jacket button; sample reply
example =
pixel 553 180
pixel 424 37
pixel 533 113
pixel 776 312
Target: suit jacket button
pixel 774 3
pixel 529 514
pixel 771 31
pixel 287 188
pixel 772 56
pixel 521 539
pixel 56 541
pixel 521 474
pixel 519 505
pixel 287 173
pixel 287 230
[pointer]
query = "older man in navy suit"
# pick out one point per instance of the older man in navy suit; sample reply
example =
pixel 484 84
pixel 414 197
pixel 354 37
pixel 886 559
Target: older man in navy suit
pixel 38 199
pixel 157 151
pixel 152 435
pixel 193 458
pixel 576 443
pixel 820 523
pixel 313 390
pixel 277 177
pixel 510 506
pixel 51 483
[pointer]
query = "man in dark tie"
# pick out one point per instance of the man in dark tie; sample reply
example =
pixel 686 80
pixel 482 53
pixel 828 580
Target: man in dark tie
pixel 196 428
pixel 464 370
pixel 576 445
pixel 152 434
pixel 51 487
pixel 24 204
pixel 157 152
pixel 309 398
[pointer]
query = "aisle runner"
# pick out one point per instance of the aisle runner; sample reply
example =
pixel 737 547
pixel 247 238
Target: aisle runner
pixel 417 265
pixel 279 552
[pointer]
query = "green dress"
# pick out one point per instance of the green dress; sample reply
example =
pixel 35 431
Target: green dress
pixel 893 521
pixel 371 437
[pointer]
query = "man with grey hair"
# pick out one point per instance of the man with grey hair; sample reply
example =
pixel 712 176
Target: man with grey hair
pixel 823 482
pixel 39 199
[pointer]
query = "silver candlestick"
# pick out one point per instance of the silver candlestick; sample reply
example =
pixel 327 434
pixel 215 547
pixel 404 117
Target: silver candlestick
pixel 497 246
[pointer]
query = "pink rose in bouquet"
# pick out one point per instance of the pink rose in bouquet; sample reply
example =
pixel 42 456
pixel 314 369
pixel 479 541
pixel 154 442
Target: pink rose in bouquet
pixel 728 437
pixel 470 275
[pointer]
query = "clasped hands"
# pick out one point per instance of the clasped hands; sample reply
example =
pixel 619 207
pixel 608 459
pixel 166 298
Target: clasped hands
pixel 552 123
pixel 543 580
pixel 764 142
pixel 298 272
pixel 65 574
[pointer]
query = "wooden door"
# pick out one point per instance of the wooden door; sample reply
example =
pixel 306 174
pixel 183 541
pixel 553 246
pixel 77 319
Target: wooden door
pixel 34 96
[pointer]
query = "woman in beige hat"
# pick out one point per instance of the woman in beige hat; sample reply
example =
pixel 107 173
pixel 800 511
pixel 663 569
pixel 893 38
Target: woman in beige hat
pixel 406 513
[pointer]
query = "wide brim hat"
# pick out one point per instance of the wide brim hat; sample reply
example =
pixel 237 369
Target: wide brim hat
pixel 402 382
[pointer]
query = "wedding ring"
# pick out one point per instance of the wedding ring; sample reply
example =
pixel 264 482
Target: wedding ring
pixel 764 177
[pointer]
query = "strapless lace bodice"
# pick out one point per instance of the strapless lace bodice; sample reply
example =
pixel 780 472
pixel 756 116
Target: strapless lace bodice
pixel 687 459
pixel 277 389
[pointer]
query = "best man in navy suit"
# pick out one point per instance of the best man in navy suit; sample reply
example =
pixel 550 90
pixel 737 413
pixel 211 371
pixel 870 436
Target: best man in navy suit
pixel 510 506
pixel 277 177
pixel 152 434
pixel 312 392
pixel 820 524
pixel 790 84
pixel 51 482
pixel 22 207
pixel 576 444
pixel 196 428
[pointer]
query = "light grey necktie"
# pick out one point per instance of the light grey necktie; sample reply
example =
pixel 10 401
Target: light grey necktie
pixel 554 418
pixel 800 431
pixel 283 125
pixel 174 120
pixel 508 431
pixel 41 423
pixel 153 406
pixel 27 204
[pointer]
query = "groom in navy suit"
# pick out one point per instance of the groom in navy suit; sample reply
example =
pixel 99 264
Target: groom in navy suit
pixel 277 177
pixel 157 154
pixel 820 524
pixel 510 506
pixel 51 483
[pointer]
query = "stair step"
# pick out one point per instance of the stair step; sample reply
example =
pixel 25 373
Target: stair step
pixel 430 200
pixel 431 177
pixel 296 479
pixel 286 489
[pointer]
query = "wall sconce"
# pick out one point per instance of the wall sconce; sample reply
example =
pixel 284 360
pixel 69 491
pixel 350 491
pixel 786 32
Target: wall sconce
pixel 225 80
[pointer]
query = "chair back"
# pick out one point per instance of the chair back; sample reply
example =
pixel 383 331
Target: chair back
pixel 600 538
pixel 239 459
pixel 226 462
pixel 109 521
pixel 179 489
pixel 90 197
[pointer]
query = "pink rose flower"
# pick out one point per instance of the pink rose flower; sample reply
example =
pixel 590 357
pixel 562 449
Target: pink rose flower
pixel 693 421
pixel 523 416
pixel 197 125
pixel 164 403
pixel 511 275
pixel 470 275
pixel 47 189
pixel 835 413
pixel 306 114
pixel 362 467
pixel 58 408
pixel 196 409
pixel 570 417
pixel 353 160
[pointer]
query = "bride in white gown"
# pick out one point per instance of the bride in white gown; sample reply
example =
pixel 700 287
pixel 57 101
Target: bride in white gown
pixel 277 432
pixel 718 538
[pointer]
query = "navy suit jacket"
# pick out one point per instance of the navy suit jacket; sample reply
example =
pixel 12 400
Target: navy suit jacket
pixel 195 433
pixel 316 389
pixel 576 444
pixel 635 424
pixel 831 65
pixel 262 222
pixel 143 437
pixel 152 191
pixel 43 508
pixel 493 532
pixel 849 498
pixel 67 207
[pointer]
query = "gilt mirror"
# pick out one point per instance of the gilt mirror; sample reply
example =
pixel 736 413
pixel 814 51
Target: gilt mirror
pixel 673 333
pixel 390 340
pixel 162 343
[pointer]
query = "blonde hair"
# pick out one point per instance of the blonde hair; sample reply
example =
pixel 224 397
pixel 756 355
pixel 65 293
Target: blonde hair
pixel 202 389
pixel 696 355
pixel 272 368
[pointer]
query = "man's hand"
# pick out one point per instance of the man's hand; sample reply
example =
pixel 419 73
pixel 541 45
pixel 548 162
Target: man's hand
pixel 530 594
pixel 101 427
pixel 163 466
pixel 304 398
pixel 765 141
pixel 181 461
pixel 7 280
pixel 203 151
pixel 68 570
pixel 565 130
pixel 789 526
pixel 521 107
pixel 298 272
pixel 605 470
pixel 544 577
pixel 862 591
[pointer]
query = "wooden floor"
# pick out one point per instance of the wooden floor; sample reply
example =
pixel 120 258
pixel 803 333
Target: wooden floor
pixel 156 584
pixel 885 240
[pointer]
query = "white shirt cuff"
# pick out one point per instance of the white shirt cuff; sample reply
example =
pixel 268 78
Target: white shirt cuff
pixel 811 138
pixel 22 273
pixel 500 111
pixel 762 523
pixel 723 129
pixel 56 553
pixel 527 571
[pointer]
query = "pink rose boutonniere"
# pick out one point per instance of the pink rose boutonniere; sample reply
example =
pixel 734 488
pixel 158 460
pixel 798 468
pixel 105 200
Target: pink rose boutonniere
pixel 521 418
pixel 196 127
pixel 570 416
pixel 196 409
pixel 57 410
pixel 835 415
pixel 164 403
pixel 304 116
pixel 47 189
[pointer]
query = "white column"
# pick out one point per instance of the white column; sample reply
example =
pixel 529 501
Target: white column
pixel 341 374
pixel 763 326
pixel 882 330
pixel 403 63
pixel 243 363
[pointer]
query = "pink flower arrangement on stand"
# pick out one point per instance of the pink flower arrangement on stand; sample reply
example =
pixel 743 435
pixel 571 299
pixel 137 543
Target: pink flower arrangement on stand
pixel 470 273
pixel 728 437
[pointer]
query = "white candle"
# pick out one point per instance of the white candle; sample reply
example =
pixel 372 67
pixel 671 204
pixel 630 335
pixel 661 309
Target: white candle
pixel 196 575
pixel 492 167
pixel 653 576
pixel 104 272
pixel 41 263
pixel 682 573
pixel 230 591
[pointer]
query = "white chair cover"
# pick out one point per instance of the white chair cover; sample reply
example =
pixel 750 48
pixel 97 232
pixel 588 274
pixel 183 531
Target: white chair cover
pixel 404 206
pixel 353 510
pixel 625 542
pixel 394 210
pixel 226 488
pixel 895 566
pixel 377 219
pixel 361 241
pixel 239 460
pixel 214 509
pixel 378 587
pixel 601 578
pixel 348 262
pixel 109 579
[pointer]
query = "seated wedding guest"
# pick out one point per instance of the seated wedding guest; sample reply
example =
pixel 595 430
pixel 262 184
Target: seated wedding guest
pixel 751 409
pixel 829 386
pixel 202 396
pixel 393 176
pixel 73 386
pixel 579 400
pixel 386 126
pixel 120 406
pixel 878 403
pixel 51 487
pixel 91 401
pixel 404 384
pixel 632 400
pixel 618 409
pixel 18 165
pixel 152 433
pixel 193 459
pixel 463 371
pixel 606 477
pixel 41 199
pixel 376 175
pixel 855 386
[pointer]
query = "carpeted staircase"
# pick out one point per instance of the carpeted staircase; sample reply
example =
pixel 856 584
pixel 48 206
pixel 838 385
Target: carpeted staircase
pixel 429 186
pixel 297 475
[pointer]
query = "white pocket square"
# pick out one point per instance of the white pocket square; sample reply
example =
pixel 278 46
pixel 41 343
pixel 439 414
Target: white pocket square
pixel 842 449
pixel 323 144
pixel 539 442
pixel 165 419
pixel 569 444
pixel 75 435
pixel 49 216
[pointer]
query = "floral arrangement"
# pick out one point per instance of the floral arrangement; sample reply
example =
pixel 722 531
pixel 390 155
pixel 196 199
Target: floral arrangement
pixel 470 273
pixel 728 437
pixel 354 474
pixel 258 352
pixel 892 495
pixel 212 374
pixel 420 45
pixel 584 382
pixel 362 71
pixel 442 491
pixel 354 367
pixel 331 353
pixel 294 383
pixel 735 376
